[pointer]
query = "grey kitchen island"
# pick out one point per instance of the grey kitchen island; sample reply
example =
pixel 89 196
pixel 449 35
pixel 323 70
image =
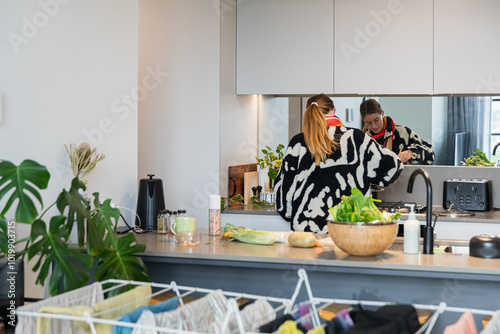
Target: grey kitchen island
pixel 391 276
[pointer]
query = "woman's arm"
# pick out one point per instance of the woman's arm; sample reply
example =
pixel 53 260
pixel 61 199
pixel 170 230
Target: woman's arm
pixel 423 154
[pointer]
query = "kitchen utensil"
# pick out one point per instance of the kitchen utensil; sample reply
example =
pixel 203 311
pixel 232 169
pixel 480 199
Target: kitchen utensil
pixel 363 239
pixel 236 179
pixel 149 202
pixel 486 246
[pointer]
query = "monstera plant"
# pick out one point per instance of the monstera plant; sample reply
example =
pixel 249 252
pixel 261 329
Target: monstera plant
pixel 114 256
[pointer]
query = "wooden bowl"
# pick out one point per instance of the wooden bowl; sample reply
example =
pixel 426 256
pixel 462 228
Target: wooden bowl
pixel 363 239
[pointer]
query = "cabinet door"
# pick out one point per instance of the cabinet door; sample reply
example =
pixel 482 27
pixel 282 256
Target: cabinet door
pixel 285 47
pixel 466 51
pixel 383 47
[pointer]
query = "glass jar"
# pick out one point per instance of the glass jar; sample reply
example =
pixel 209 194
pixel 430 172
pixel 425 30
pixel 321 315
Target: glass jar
pixel 161 222
pixel 173 215
pixel 181 213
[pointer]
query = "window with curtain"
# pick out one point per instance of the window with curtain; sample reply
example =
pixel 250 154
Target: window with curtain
pixel 495 125
pixel 469 127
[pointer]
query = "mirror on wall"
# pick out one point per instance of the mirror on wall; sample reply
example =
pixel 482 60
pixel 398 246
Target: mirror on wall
pixel 455 126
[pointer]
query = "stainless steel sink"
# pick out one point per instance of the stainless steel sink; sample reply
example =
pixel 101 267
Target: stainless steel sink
pixel 447 246
pixel 453 249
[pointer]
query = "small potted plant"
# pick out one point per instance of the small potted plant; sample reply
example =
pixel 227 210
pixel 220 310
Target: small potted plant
pixel 272 161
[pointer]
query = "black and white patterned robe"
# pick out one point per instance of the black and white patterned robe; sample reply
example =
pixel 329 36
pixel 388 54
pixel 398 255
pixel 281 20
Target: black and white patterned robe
pixel 305 192
pixel 405 139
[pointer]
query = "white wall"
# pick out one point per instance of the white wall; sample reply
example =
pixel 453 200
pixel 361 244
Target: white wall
pixel 413 112
pixel 238 114
pixel 179 120
pixel 68 65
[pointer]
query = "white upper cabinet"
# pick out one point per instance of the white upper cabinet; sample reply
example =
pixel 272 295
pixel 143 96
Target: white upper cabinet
pixel 383 47
pixel 466 48
pixel 285 47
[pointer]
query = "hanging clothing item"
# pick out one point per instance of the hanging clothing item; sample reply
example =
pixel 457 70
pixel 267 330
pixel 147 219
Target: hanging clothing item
pixel 345 319
pixel 165 306
pixel 401 138
pixel 334 327
pixel 464 325
pixel 303 311
pixel 194 316
pixel 405 315
pixel 289 327
pixel 109 308
pixel 86 296
pixel 493 326
pixel 317 330
pixel 275 324
pixel 252 316
pixel 372 322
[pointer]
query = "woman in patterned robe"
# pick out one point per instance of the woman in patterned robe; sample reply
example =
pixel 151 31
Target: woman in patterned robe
pixel 325 161
pixel 400 139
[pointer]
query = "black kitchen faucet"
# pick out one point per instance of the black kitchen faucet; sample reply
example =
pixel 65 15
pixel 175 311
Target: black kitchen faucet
pixel 428 229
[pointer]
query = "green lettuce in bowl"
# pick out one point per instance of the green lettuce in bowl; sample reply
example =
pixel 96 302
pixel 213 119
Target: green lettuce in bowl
pixel 358 208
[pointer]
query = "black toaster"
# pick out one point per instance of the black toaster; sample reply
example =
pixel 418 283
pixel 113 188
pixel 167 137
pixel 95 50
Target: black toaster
pixel 467 194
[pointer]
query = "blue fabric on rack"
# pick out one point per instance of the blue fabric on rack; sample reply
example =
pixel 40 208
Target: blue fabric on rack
pixel 132 316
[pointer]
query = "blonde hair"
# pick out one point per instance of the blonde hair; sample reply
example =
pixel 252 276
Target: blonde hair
pixel 315 130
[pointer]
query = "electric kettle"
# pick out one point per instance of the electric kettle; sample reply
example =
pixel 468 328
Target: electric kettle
pixel 149 202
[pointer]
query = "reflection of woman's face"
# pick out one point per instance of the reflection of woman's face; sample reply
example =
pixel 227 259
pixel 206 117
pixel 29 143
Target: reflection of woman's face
pixel 374 122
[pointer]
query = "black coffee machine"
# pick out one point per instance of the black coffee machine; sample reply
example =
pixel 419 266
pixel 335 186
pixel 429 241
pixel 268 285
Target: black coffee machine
pixel 149 202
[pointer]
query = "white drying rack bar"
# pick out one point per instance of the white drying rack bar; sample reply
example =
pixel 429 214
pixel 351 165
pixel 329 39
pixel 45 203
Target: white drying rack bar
pixel 232 307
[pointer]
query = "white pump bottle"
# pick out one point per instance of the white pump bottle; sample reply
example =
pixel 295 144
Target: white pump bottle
pixel 411 232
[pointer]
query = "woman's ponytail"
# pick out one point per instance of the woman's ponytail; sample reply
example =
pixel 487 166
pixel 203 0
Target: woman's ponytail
pixel 316 134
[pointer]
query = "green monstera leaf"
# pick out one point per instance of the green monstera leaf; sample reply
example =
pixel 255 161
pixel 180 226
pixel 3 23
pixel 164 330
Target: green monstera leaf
pixel 76 206
pixel 120 262
pixel 101 227
pixel 4 240
pixel 20 180
pixel 66 262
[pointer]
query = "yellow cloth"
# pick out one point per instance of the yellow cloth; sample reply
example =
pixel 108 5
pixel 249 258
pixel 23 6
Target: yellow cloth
pixel 289 327
pixel 138 294
pixel 317 330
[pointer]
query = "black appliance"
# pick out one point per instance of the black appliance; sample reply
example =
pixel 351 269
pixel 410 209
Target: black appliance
pixel 149 201
pixel 467 194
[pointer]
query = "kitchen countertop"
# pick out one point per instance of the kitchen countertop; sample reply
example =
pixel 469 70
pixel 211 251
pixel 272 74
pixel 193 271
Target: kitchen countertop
pixel 488 217
pixel 250 210
pixel 212 248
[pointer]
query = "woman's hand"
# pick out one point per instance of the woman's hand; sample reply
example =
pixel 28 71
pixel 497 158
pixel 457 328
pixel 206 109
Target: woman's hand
pixel 404 156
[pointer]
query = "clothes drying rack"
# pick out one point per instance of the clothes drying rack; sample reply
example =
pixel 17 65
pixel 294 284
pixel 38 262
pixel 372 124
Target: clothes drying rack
pixel 283 305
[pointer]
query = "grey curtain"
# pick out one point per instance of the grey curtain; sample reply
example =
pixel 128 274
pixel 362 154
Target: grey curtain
pixel 469 122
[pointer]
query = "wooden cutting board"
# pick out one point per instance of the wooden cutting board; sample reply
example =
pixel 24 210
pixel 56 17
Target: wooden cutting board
pixel 236 179
pixel 251 179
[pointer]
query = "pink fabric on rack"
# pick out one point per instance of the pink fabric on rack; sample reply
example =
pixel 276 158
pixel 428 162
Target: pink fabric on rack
pixel 464 325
